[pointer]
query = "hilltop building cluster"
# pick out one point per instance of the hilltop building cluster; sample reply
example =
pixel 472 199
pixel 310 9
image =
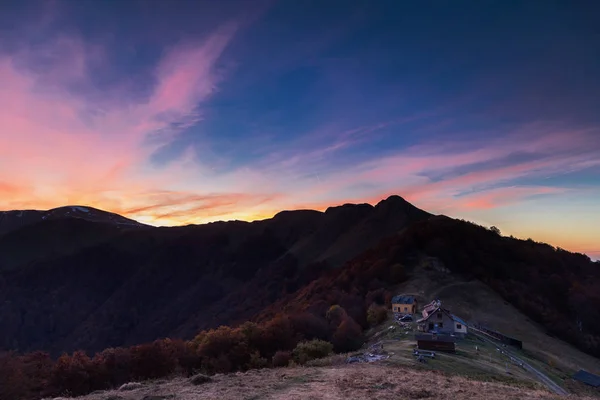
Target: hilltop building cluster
pixel 438 328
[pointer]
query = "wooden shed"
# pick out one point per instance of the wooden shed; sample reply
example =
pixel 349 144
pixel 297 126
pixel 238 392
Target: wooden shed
pixel 587 378
pixel 436 342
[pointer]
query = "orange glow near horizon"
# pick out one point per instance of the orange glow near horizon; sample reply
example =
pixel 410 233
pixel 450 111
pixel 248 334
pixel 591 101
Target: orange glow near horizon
pixel 66 139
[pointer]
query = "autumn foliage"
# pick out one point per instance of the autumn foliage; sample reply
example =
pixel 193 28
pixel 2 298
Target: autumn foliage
pixel 222 350
pixel 329 316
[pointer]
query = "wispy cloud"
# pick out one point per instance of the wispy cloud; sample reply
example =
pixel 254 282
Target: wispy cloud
pixel 65 138
pixel 61 145
pixel 449 175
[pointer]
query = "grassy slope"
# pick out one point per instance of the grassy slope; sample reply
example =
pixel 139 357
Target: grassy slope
pixel 475 302
pixel 333 382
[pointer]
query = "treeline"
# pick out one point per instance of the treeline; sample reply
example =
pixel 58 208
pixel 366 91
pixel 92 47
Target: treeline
pixel 331 311
pixel 278 342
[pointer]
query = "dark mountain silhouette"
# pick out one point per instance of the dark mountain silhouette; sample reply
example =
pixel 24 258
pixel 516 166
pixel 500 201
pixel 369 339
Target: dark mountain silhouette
pixel 301 275
pixel 16 219
pixel 90 284
pixel 558 289
pixel 53 238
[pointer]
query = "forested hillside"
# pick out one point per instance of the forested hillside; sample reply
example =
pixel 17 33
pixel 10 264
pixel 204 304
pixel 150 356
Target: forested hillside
pixel 75 284
pixel 185 282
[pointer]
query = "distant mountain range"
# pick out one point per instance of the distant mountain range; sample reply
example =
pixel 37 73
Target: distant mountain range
pixel 11 220
pixel 80 278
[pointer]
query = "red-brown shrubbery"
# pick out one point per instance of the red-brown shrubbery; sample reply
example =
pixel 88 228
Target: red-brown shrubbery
pixel 282 358
pixel 152 360
pixel 220 350
pixel 306 315
pixel 72 375
pixel 348 336
pixel 14 384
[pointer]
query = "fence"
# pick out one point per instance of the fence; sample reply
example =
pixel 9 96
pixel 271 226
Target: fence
pixel 498 336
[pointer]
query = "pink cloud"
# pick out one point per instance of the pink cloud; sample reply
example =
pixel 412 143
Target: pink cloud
pixel 504 196
pixel 469 167
pixel 48 146
pixel 58 148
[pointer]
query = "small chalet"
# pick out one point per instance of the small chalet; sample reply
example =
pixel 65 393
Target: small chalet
pixel 404 304
pixel 436 342
pixel 440 320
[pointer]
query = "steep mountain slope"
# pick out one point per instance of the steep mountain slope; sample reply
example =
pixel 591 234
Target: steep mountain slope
pixel 53 238
pixel 16 219
pixel 557 289
pixel 137 285
pixel 172 282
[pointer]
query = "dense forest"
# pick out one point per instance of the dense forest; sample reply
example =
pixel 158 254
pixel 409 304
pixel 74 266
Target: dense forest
pixel 340 305
pixel 92 286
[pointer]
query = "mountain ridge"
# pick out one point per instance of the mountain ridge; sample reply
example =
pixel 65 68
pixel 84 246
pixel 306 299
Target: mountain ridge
pixel 231 295
pixel 135 285
pixel 202 271
pixel 15 219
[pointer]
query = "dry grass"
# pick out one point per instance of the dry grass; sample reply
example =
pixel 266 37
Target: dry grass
pixel 357 381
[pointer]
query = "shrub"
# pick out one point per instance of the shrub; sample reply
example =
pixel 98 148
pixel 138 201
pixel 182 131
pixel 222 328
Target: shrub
pixel 306 351
pixel 151 361
pixel 224 350
pixel 36 368
pixel 188 359
pixel 335 315
pixel 13 383
pixel 282 358
pixel 309 326
pixel 71 375
pixel 113 367
pixel 376 314
pixel 348 336
pixel 220 364
pixel 278 334
pixel 256 361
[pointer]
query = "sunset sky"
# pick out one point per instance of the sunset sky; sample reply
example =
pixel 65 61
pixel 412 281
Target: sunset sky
pixel 174 112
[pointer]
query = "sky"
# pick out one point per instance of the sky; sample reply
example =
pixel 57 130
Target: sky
pixel 194 111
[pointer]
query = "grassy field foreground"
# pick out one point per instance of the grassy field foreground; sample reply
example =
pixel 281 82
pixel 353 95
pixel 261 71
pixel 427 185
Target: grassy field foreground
pixel 356 381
